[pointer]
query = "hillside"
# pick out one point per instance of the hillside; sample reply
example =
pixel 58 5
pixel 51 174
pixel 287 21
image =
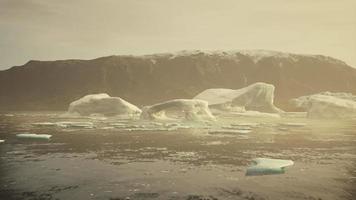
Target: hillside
pixel 143 80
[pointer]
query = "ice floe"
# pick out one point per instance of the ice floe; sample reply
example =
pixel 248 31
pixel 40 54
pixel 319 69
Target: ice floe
pixel 268 166
pixel 65 124
pixel 88 125
pixel 33 136
pixel 293 124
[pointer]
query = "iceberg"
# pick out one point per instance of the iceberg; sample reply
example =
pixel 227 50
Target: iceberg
pixel 256 97
pixel 34 136
pixel 327 105
pixel 268 166
pixel 102 104
pixel 189 109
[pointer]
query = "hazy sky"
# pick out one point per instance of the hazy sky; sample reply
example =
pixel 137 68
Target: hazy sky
pixel 62 29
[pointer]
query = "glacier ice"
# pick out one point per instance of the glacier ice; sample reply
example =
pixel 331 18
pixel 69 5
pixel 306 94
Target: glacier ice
pixel 327 105
pixel 189 109
pixel 103 104
pixel 256 97
pixel 268 166
pixel 33 136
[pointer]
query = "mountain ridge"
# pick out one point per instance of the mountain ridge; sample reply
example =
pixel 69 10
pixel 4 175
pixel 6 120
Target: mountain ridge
pixel 147 79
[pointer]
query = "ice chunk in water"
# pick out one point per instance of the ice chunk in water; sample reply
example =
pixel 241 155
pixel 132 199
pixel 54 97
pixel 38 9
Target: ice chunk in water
pixel 268 166
pixel 256 97
pixel 34 136
pixel 44 124
pixel 293 124
pixel 188 109
pixel 2 141
pixel 76 124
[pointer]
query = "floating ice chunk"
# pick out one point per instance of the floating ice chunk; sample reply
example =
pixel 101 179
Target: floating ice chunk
pixel 229 131
pixel 215 143
pixel 237 127
pixel 103 104
pixel 88 125
pixel 268 166
pixel 44 124
pixel 257 97
pixel 283 129
pixel 34 136
pixel 189 109
pixel 118 125
pixel 257 114
pixel 108 128
pixel 249 124
pixel 293 124
pixel 2 141
pixel 327 105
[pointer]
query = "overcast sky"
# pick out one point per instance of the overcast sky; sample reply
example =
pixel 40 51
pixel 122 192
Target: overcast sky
pixel 63 29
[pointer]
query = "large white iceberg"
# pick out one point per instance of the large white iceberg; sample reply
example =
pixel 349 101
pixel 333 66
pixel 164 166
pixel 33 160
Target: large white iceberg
pixel 103 104
pixel 327 105
pixel 256 97
pixel 190 109
pixel 268 166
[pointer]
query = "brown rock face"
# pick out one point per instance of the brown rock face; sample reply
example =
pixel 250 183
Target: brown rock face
pixel 145 80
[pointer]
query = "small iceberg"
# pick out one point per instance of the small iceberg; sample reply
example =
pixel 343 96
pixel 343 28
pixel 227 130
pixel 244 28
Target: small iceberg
pixel 268 166
pixel 34 136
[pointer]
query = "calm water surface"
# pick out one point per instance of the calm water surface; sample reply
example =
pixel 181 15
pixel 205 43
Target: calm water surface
pixel 119 159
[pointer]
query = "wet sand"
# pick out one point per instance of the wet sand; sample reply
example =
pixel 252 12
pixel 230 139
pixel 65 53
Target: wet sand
pixel 187 163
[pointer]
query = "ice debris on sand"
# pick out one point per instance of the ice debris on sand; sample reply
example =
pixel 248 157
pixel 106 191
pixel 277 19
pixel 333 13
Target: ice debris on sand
pixel 268 166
